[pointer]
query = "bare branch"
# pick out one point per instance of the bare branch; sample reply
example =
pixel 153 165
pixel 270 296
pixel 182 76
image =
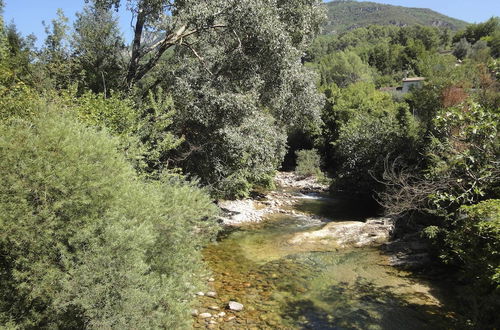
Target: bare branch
pixel 165 44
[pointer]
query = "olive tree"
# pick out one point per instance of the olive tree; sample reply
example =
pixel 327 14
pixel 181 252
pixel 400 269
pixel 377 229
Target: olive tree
pixel 224 63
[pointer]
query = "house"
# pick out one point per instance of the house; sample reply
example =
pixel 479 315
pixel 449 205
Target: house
pixel 409 83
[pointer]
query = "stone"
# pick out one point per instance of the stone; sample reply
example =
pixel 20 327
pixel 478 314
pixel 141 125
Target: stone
pixel 205 315
pixel 230 318
pixel 200 293
pixel 211 279
pixel 214 308
pixel 211 294
pixel 235 306
pixel 194 312
pixel 212 322
pixel 346 234
pixel 221 314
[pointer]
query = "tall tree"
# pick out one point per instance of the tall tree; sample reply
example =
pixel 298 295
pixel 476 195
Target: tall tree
pixel 55 54
pixel 230 65
pixel 98 48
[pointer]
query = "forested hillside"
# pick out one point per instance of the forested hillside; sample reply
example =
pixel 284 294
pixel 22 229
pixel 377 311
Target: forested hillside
pixel 113 152
pixel 349 14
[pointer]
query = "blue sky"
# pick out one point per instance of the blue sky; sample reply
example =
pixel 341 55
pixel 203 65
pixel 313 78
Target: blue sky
pixel 29 14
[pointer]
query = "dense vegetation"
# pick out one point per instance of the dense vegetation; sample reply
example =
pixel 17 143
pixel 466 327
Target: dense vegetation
pixel 346 15
pixel 111 155
pixel 113 150
pixel 431 156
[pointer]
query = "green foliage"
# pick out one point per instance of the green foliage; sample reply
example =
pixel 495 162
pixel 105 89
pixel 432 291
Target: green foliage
pixel 395 51
pixel 474 32
pixel 58 68
pixel 471 241
pixel 475 243
pixel 85 243
pixel 18 101
pixel 464 153
pixel 116 113
pixel 364 144
pixel 229 68
pixel 362 127
pixel 343 69
pixel 154 131
pixel 494 43
pixel 308 163
pixel 98 47
pixel 237 158
pixel 462 49
pixel 435 66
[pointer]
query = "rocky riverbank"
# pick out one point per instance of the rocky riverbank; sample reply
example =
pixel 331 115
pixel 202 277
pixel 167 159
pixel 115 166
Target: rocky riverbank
pixel 289 189
pixel 293 188
pixel 263 271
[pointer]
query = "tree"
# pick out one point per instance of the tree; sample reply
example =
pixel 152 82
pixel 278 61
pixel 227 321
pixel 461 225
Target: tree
pixel 55 55
pixel 227 65
pixel 462 49
pixel 475 32
pixel 179 23
pixel 99 49
pixel 362 127
pixel 343 69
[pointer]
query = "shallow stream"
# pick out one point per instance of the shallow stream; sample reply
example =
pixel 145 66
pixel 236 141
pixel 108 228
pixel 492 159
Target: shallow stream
pixel 287 287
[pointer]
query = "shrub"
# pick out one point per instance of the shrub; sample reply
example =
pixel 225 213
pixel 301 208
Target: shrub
pixel 472 242
pixel 308 163
pixel 84 242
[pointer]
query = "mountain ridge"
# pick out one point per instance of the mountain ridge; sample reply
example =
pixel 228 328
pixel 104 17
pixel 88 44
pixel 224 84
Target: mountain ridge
pixel 344 15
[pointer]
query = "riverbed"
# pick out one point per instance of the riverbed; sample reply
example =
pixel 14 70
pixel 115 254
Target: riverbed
pixel 284 286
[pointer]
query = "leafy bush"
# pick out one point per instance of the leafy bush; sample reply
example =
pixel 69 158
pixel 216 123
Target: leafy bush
pixel 250 155
pixel 84 242
pixel 343 69
pixel 462 49
pixel 362 128
pixel 308 163
pixel 475 242
pixel 471 241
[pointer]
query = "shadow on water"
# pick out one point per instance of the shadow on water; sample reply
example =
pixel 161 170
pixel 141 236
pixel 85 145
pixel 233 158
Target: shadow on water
pixel 364 305
pixel 285 287
pixel 338 208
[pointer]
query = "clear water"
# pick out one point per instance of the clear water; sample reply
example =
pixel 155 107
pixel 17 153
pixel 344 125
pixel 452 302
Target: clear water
pixel 289 287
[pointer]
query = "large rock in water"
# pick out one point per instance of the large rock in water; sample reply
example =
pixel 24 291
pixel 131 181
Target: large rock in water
pixel 347 234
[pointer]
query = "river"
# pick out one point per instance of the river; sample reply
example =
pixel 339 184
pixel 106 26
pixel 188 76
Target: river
pixel 284 286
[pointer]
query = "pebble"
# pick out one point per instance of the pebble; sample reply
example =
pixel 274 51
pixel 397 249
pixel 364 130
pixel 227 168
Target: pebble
pixel 230 318
pixel 235 306
pixel 200 293
pixel 221 314
pixel 211 279
pixel 205 315
pixel 211 294
pixel 214 308
pixel 194 312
